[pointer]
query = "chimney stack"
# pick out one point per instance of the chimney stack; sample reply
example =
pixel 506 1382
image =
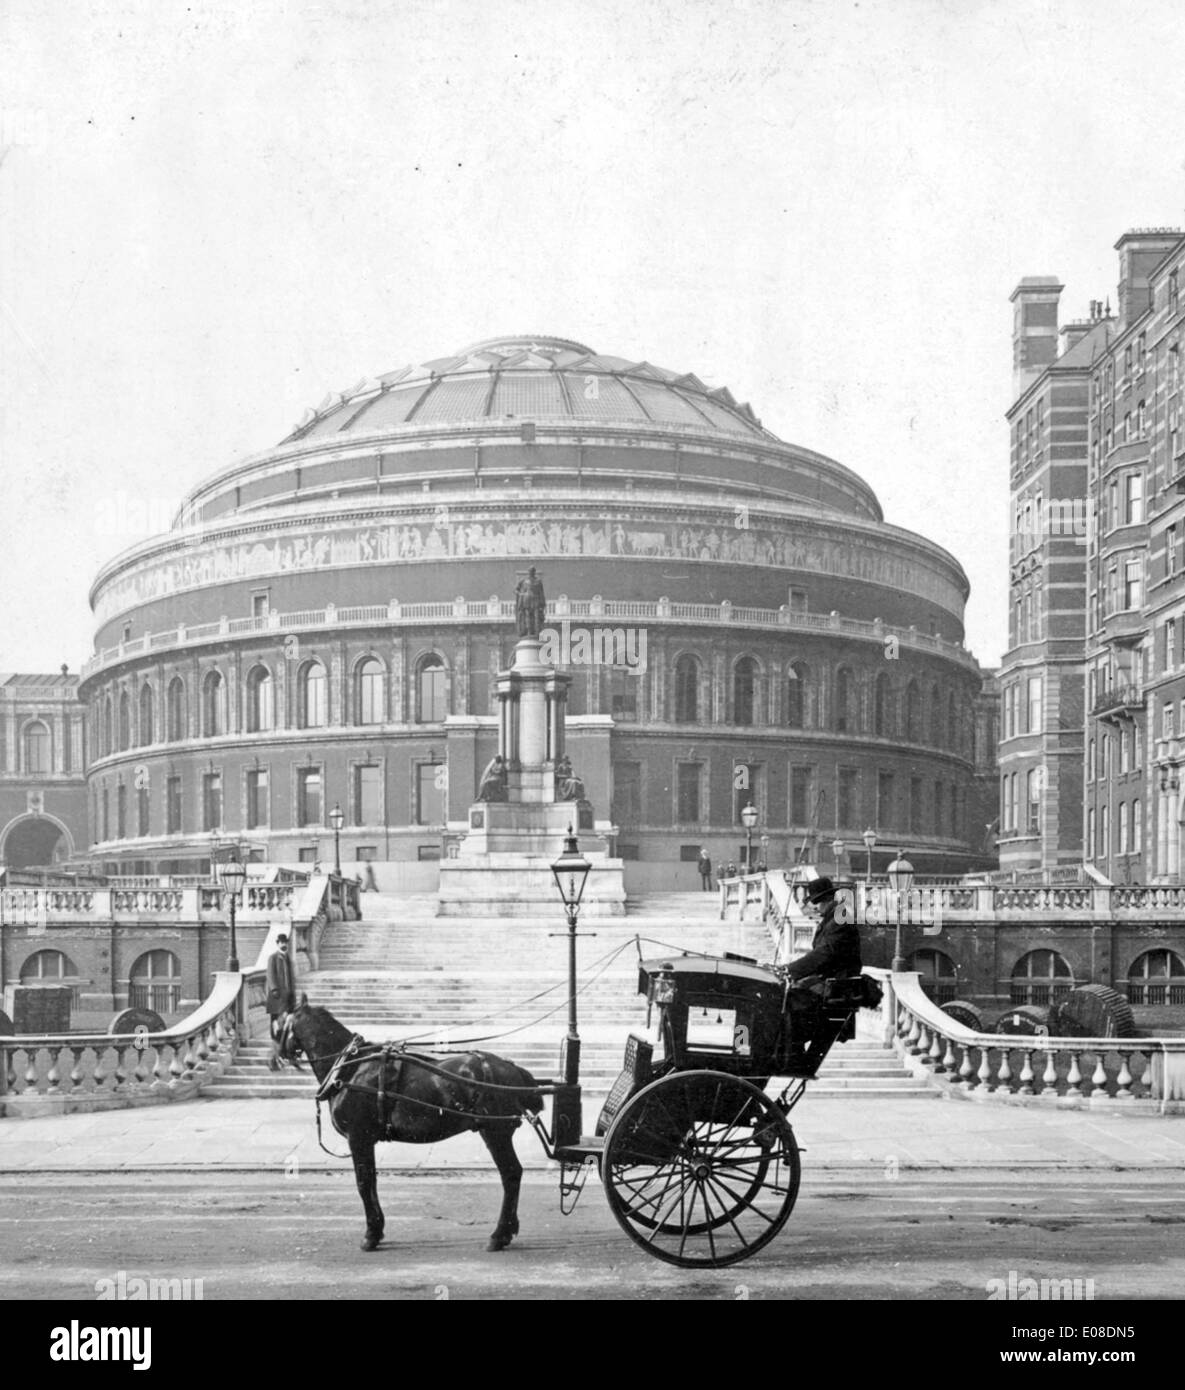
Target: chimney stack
pixel 1140 251
pixel 1034 329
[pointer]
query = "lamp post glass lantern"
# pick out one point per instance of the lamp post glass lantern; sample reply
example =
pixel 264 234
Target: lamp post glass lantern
pixel 869 838
pixel 571 871
pixel 900 873
pixel 837 849
pixel 337 818
pixel 749 820
pixel 233 876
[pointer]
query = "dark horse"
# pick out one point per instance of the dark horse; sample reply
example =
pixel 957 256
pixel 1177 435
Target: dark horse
pixel 377 1094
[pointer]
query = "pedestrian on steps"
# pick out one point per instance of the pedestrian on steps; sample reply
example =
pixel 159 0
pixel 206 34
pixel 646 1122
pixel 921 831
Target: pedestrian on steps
pixel 281 994
pixel 705 870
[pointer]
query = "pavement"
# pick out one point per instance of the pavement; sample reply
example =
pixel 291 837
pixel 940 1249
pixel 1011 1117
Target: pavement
pixel 881 1136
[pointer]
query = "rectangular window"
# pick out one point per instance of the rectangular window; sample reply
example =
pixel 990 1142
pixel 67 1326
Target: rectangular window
pixel 1166 721
pixel 623 695
pixel 258 800
pixel 121 811
pixel 885 817
pixel 1091 754
pixel 1133 586
pixel 848 812
pixel 142 811
pixel 1122 827
pixel 173 805
pixel 306 855
pixel 1104 832
pixel 212 801
pixel 1033 786
pixel 1170 644
pixel 368 795
pixel 1133 499
pixel 1034 704
pixel 687 792
pixel 1124 748
pixel 67 741
pixel 431 781
pixel 801 810
pixel 627 793
pixel 940 826
pixel 915 805
pixel 1137 829
pixel 259 604
pixel 308 796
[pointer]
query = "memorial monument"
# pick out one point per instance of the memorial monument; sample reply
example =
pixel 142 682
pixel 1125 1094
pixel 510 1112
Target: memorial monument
pixel 528 796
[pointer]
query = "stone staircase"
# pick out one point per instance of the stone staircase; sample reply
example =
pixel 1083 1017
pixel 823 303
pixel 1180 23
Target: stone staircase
pixel 405 974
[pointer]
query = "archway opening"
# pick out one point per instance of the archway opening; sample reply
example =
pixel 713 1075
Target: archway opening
pixel 35 843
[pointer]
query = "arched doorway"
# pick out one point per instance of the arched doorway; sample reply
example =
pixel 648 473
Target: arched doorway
pixel 33 842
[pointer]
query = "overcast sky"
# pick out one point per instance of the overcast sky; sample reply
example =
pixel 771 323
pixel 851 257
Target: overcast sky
pixel 213 213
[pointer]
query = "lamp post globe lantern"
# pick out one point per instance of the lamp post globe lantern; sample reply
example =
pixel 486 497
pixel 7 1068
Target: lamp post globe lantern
pixel 764 861
pixel 869 838
pixel 837 849
pixel 571 871
pixel 337 818
pixel 900 873
pixel 749 820
pixel 233 875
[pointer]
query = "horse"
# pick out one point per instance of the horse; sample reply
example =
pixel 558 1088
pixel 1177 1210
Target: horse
pixel 380 1094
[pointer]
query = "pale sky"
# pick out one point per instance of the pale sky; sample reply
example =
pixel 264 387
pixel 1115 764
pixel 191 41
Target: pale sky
pixel 214 213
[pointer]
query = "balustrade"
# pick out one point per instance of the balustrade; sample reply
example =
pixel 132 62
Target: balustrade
pixel 1075 1070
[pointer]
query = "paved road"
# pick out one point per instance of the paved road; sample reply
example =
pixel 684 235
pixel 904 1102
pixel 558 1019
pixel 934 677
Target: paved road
pixel 935 1236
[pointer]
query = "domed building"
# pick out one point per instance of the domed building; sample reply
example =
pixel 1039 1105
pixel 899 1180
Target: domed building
pixel 325 622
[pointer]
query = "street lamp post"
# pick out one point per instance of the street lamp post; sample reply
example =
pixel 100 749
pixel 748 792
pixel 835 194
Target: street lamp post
pixel 837 849
pixel 765 851
pixel 234 875
pixel 571 872
pixel 337 819
pixel 749 820
pixel 901 877
pixel 869 838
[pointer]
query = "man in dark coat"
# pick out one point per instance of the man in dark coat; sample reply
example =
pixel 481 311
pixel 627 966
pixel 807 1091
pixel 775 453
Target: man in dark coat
pixel 835 950
pixel 705 871
pixel 281 993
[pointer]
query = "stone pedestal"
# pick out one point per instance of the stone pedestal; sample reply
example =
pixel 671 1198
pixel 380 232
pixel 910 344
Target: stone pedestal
pixel 503 865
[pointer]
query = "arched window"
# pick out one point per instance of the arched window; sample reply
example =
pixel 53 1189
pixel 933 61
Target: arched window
pixel 939 975
pixel 913 713
pixel 155 983
pixel 744 687
pixel 213 705
pixel 175 710
pixel 935 717
pixel 1041 977
pixel 686 690
pixel 369 703
pixel 1157 977
pixel 797 677
pixel 880 706
pixel 37 746
pixel 844 717
pixel 146 720
pixel 125 721
pixel 51 968
pixel 952 722
pixel 108 727
pixel 431 690
pixel 313 696
pixel 261 700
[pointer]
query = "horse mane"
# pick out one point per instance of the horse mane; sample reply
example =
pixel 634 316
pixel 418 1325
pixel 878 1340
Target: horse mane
pixel 335 1034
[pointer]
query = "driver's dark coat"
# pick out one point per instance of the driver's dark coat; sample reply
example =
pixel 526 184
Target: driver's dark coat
pixel 281 983
pixel 835 950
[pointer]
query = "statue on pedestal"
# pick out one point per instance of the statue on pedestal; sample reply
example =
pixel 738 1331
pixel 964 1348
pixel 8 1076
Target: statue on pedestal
pixel 530 605
pixel 568 787
pixel 493 780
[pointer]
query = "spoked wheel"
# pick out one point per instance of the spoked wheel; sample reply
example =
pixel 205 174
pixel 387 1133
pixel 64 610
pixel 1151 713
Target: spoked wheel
pixel 701 1169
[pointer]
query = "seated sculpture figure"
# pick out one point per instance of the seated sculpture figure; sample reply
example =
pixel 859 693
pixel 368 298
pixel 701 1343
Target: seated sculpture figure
pixel 493 780
pixel 568 787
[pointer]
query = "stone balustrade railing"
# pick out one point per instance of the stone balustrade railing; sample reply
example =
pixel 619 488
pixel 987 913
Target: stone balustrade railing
pixel 44 1074
pixel 949 903
pixel 464 610
pixel 1118 1073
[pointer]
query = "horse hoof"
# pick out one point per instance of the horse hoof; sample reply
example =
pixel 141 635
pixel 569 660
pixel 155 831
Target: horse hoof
pixel 499 1242
pixel 370 1242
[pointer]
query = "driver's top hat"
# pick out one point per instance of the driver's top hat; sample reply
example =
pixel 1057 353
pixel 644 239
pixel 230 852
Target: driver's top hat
pixel 820 890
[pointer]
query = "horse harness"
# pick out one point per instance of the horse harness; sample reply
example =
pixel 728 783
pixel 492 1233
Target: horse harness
pixel 392 1059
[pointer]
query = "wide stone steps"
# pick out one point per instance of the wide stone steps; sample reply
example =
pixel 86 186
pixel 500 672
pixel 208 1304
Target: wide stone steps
pixel 405 974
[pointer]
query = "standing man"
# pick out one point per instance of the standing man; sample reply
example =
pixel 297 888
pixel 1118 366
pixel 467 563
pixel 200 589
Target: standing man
pixel 704 865
pixel 281 993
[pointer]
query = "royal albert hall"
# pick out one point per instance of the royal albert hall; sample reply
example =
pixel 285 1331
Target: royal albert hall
pixel 323 627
